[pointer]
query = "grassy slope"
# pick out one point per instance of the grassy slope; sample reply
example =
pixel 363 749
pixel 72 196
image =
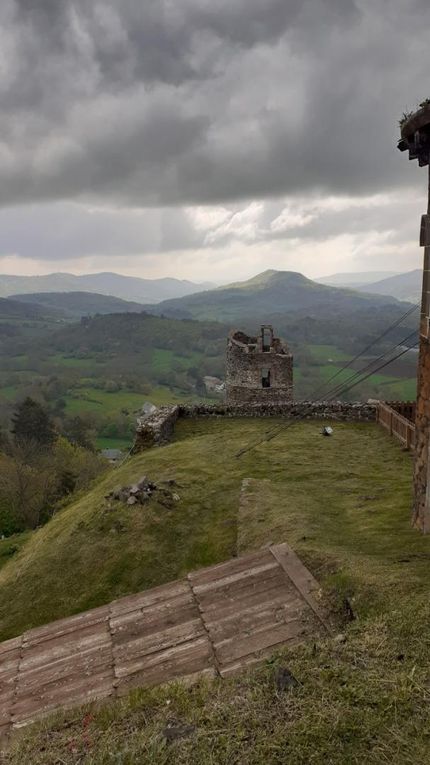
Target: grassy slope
pixel 90 553
pixel 344 504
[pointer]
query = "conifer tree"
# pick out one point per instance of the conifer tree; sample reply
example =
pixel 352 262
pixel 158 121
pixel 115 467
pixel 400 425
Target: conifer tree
pixel 31 422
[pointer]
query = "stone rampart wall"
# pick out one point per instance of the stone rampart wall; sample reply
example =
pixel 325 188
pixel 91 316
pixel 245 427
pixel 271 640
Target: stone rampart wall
pixel 158 429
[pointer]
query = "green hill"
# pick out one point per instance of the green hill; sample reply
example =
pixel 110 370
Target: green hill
pixel 135 332
pixel 77 304
pixel 361 696
pixel 271 293
pixel 401 286
pixel 16 310
pixel 134 548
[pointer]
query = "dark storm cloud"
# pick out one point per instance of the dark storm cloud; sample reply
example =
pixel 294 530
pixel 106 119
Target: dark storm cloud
pixel 64 231
pixel 193 101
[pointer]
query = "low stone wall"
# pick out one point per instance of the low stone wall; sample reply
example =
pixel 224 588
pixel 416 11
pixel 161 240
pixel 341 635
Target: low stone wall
pixel 158 428
pixel 337 410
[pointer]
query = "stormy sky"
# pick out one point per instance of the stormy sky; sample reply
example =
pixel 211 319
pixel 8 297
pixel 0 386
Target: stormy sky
pixel 209 139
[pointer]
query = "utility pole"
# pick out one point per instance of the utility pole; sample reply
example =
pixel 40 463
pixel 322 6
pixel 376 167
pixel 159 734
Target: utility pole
pixel 415 138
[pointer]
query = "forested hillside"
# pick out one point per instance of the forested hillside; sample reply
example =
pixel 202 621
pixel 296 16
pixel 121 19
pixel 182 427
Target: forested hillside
pixel 274 292
pixel 77 304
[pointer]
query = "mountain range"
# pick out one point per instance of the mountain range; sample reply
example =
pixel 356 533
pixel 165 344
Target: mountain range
pixel 126 287
pixel 405 286
pixel 76 304
pixel 270 293
pixel 402 286
pixel 355 280
pixel 150 292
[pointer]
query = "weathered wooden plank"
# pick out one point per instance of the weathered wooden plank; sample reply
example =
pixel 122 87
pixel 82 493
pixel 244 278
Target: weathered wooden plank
pixel 158 607
pixel 219 599
pixel 126 654
pixel 220 619
pixel 148 598
pixel 275 595
pixel 154 619
pixel 6 701
pixel 227 580
pixel 73 692
pixel 89 638
pixel 233 650
pixel 234 566
pixel 65 626
pixel 306 584
pixel 80 665
pixel 9 663
pixel 178 661
pixel 10 645
pixel 256 597
pixel 249 621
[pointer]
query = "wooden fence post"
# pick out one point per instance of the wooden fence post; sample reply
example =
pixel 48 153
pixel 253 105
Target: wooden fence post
pixel 408 437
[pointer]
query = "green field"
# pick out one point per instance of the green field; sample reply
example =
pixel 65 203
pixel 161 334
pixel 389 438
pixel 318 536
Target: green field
pixel 163 361
pixel 59 360
pixel 8 392
pixel 114 443
pixel 386 386
pixel 325 352
pixel 92 399
pixel 361 699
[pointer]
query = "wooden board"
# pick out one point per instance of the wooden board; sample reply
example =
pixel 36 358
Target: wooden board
pixel 215 622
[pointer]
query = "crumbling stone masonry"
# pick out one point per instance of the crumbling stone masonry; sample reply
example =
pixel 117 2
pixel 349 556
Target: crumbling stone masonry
pixel 259 369
pixel 158 429
pixel 415 138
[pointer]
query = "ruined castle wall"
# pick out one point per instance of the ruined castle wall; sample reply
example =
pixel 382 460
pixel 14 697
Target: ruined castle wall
pixel 244 373
pixel 336 411
pixel 158 429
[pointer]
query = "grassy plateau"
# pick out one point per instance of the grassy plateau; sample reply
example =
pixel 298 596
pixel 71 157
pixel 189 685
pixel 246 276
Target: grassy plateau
pixel 343 503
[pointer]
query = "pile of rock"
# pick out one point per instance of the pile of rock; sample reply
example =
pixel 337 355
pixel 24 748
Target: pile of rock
pixel 142 491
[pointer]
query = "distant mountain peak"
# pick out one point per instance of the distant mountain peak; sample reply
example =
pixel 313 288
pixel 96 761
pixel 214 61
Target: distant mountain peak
pixel 270 278
pixel 129 288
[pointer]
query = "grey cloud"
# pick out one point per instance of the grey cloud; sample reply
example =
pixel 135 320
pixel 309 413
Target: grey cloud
pixel 67 231
pixel 171 103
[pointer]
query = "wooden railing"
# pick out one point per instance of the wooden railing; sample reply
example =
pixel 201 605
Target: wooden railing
pixel 396 423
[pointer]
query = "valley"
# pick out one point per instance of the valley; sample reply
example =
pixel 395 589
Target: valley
pixel 84 355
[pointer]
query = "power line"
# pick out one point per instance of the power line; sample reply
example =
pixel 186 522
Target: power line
pixel 340 389
pixel 368 347
pixel 333 392
pixel 378 369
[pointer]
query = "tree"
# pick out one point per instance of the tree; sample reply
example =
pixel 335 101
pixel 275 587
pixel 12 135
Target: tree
pixel 79 432
pixel 31 422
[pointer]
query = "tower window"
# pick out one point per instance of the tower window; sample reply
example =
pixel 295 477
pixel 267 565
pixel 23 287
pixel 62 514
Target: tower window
pixel 265 378
pixel 267 339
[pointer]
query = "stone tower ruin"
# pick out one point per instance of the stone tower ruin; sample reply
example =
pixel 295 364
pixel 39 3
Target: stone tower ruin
pixel 259 369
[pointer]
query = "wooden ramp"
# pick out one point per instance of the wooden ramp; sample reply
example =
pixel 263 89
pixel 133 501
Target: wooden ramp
pixel 214 622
